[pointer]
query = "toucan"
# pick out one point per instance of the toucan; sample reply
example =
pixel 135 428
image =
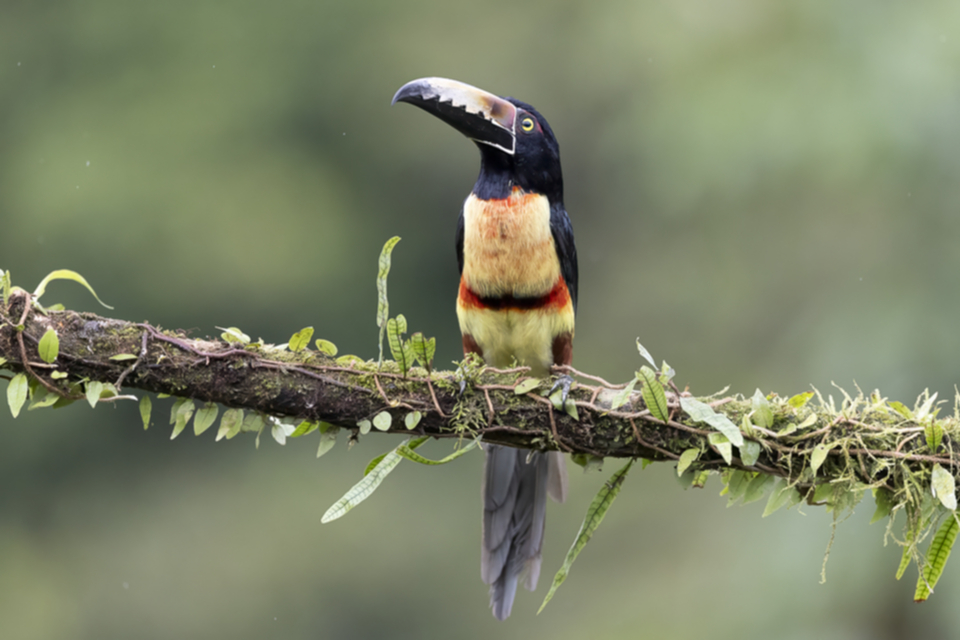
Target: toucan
pixel 516 302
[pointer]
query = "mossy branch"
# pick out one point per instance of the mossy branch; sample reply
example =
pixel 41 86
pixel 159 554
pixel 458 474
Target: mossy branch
pixel 803 447
pixel 866 439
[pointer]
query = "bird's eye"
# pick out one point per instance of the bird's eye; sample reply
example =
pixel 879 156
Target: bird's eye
pixel 527 124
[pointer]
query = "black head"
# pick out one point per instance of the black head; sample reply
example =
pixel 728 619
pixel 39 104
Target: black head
pixel 517 146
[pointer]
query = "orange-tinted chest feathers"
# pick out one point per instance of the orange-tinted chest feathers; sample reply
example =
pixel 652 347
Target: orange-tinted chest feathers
pixel 508 248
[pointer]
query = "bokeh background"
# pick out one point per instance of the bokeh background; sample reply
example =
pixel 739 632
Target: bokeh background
pixel 765 193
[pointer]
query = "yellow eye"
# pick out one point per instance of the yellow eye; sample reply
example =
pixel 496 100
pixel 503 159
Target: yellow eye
pixel 527 124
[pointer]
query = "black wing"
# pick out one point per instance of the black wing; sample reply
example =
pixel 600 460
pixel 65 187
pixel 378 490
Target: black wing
pixel 460 240
pixel 562 232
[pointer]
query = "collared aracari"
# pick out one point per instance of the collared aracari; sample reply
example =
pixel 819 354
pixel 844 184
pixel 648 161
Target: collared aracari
pixel 517 298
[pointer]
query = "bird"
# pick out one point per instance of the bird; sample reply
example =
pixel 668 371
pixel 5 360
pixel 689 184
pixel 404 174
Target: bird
pixel 516 302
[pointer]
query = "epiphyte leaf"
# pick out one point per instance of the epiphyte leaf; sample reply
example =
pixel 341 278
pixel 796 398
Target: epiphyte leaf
pixel 623 395
pixel 749 452
pixel 686 459
pixel 146 407
pixel 327 347
pixel 17 393
pixel 66 274
pixel 701 412
pixel 230 424
pixel 93 391
pixel 526 386
pixel 300 340
pixel 49 346
pixel 412 419
pixel 937 555
pixel 206 416
pixel 943 486
pixel 383 420
pixel 653 394
pixel 595 512
pixel 762 411
pixel 365 488
pixel 408 453
pixel 383 305
pixel 423 349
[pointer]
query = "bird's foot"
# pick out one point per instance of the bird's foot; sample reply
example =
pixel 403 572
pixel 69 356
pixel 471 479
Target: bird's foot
pixel 563 383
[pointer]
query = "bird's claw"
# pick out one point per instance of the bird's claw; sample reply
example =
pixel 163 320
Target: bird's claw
pixel 564 382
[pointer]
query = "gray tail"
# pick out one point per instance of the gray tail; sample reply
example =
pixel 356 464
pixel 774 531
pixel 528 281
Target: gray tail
pixel 514 514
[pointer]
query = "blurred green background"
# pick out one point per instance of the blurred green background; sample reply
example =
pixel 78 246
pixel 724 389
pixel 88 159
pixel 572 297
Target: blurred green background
pixel 765 193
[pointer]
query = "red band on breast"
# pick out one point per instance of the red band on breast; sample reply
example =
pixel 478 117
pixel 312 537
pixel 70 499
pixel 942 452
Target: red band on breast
pixel 557 298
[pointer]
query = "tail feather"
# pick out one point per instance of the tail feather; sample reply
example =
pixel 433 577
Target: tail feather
pixel 514 517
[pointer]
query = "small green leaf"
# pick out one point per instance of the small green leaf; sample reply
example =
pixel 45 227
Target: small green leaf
pixel 401 349
pixel 943 487
pixel 700 479
pixel 65 274
pixel 349 359
pixel 645 354
pixel 206 416
pixel 818 456
pixel 58 375
pixel 762 411
pixel 17 393
pixel 700 412
pixel 49 346
pixel 902 409
pixel 423 349
pixel 278 433
pixel 365 426
pixel 907 554
pixel 809 421
pixel 365 488
pixel 146 407
pixel 737 484
pixel 571 409
pixel 374 462
pixel 595 513
pixel 686 459
pixel 5 286
pixel 749 452
pixel 884 501
pixel 123 356
pixel 305 427
pixel 779 497
pixel 234 335
pixel 184 413
pixel 757 488
pixel 937 555
pixel 526 386
pixel 933 433
pixel 3 361
pixel 94 389
pixel 800 399
pixel 49 398
pixel 412 419
pixel 623 395
pixel 926 407
pixel 300 340
pixel 383 305
pixel 653 394
pixel 252 423
pixel 382 420
pixel 723 446
pixel 327 347
pixel 409 453
pixel 588 461
pixel 230 424
pixel 328 438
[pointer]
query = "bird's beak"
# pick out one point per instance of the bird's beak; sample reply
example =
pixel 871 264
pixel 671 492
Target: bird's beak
pixel 481 116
